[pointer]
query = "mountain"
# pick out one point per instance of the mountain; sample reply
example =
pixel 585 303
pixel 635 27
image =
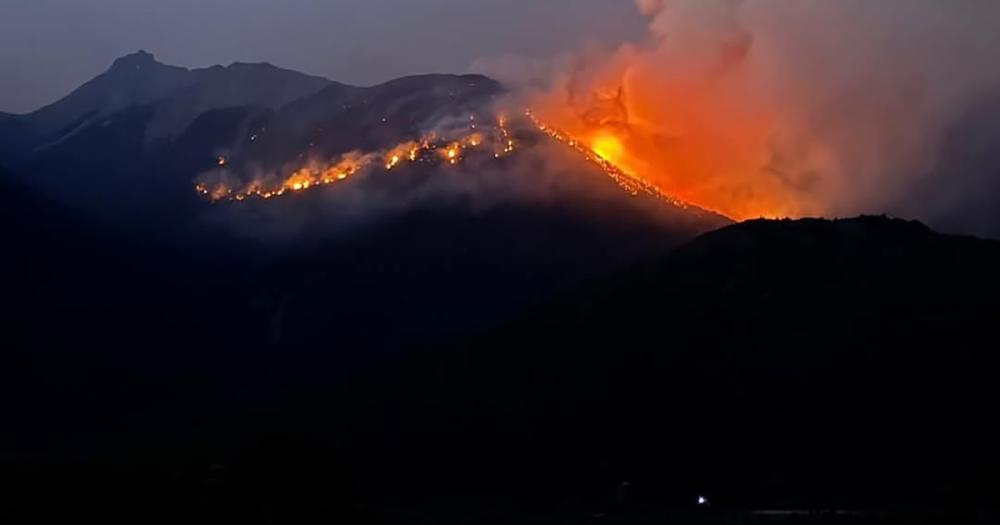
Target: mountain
pixel 182 301
pixel 134 138
pixel 863 345
pixel 131 142
pixel 106 138
pixel 415 255
pixel 133 80
pixel 182 94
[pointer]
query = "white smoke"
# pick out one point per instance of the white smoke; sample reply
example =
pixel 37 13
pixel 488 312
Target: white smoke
pixel 833 107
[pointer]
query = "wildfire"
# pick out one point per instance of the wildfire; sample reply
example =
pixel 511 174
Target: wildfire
pixel 508 141
pixel 312 176
pixel 608 147
pixel 603 152
pixel 407 151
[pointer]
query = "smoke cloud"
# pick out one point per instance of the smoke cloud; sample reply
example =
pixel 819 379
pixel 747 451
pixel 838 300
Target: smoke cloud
pixel 783 108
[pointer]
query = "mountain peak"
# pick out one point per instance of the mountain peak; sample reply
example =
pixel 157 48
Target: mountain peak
pixel 132 80
pixel 135 60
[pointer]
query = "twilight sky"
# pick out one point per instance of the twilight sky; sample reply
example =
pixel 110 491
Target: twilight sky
pixel 48 47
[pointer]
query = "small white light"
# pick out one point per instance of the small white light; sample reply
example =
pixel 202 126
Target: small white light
pixel 702 501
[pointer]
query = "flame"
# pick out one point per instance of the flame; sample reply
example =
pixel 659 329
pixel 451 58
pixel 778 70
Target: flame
pixel 608 147
pixel 605 151
pixel 699 166
pixel 697 111
pixel 312 176
pixel 407 151
pixel 299 180
pixel 629 182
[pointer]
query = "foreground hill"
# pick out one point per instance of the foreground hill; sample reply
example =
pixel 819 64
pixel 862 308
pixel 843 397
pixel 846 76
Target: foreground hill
pixel 805 362
pixel 769 364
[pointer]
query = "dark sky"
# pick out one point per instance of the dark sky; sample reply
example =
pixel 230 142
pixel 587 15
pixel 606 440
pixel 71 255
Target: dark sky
pixel 48 47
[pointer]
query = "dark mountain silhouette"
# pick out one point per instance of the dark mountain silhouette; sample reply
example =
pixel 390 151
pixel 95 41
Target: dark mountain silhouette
pixel 793 363
pixel 803 363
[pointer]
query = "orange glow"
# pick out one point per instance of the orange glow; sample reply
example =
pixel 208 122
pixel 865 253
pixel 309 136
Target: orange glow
pixel 696 131
pixel 608 147
pixel 606 150
pixel 712 164
pixel 314 175
pixel 627 181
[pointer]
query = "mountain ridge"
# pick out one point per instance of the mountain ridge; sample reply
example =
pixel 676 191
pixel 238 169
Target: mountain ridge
pixel 129 128
pixel 716 367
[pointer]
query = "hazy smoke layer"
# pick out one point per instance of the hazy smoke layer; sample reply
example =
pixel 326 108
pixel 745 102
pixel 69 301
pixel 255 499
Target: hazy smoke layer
pixel 783 107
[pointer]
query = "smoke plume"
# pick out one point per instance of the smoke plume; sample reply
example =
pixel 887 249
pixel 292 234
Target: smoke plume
pixel 787 108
